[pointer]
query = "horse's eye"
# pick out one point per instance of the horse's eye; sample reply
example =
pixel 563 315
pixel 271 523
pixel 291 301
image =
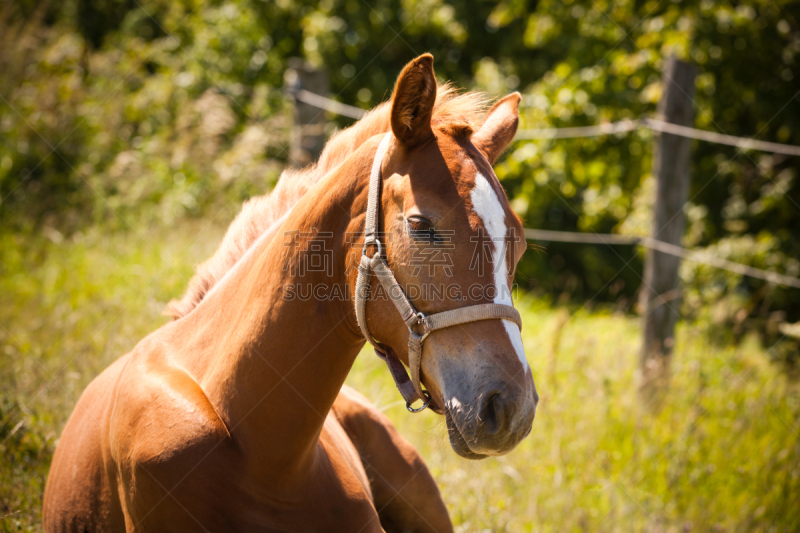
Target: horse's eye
pixel 420 228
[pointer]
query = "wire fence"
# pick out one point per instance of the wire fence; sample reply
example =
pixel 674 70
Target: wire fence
pixel 612 128
pixel 608 128
pixel 328 104
pixel 695 256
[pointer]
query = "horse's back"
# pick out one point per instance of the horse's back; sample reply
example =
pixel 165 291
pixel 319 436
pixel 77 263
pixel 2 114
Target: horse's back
pixel 80 494
pixel 402 488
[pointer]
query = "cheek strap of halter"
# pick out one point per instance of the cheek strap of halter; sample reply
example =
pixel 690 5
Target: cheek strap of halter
pixel 419 325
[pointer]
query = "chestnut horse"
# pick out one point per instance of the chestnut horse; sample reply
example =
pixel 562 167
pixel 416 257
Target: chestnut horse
pixel 234 415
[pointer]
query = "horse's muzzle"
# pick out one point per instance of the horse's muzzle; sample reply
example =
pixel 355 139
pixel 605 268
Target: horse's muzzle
pixel 494 424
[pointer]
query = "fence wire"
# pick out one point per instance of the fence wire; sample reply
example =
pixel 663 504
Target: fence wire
pixel 608 128
pixel 328 104
pixel 695 256
pixel 611 128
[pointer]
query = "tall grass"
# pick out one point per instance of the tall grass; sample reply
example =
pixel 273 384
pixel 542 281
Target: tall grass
pixel 67 310
pixel 723 453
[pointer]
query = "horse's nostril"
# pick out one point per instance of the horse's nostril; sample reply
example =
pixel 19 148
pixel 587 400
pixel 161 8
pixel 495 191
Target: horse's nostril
pixel 493 413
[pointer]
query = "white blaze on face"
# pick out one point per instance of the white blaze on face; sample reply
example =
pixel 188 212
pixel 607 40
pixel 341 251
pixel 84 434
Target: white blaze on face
pixel 488 207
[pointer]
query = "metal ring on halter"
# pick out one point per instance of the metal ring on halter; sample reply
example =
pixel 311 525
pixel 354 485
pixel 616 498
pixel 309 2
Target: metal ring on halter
pixel 376 242
pixel 424 405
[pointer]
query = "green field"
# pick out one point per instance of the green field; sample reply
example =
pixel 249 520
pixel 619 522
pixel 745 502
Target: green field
pixel 723 454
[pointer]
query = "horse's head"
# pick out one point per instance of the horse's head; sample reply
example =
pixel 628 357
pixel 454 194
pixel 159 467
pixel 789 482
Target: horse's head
pixel 453 242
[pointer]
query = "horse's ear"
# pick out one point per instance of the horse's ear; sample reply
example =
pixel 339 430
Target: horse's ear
pixel 412 102
pixel 499 127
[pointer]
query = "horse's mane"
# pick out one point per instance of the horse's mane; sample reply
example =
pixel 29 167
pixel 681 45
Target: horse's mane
pixel 456 112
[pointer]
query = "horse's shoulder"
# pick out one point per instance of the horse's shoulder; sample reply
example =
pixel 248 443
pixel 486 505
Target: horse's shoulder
pixel 80 481
pixel 160 413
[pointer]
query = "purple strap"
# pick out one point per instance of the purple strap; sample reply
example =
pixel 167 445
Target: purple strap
pixel 399 373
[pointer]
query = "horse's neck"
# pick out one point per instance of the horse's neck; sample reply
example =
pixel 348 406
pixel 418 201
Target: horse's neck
pixel 272 364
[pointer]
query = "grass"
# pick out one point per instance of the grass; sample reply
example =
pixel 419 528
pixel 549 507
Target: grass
pixel 723 454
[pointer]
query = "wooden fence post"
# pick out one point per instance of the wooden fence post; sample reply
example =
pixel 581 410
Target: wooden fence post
pixel 660 293
pixel 308 132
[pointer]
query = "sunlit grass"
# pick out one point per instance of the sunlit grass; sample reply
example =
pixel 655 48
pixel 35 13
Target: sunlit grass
pixel 723 453
pixel 67 310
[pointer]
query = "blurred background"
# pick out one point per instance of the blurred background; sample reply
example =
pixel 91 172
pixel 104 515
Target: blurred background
pixel 132 130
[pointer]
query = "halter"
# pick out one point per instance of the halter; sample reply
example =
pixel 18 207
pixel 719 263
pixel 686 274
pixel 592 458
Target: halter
pixel 410 388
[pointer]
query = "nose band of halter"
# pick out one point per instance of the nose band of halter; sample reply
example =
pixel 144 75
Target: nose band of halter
pixel 419 325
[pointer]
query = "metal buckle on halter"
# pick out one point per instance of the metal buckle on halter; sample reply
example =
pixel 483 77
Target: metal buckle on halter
pixel 372 240
pixel 425 333
pixel 425 404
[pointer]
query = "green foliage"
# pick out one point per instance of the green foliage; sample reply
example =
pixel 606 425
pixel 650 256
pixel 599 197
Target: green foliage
pixel 604 63
pixel 136 131
pixel 115 111
pixel 724 452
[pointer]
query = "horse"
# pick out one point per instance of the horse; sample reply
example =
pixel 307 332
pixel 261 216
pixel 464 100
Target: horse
pixel 233 416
